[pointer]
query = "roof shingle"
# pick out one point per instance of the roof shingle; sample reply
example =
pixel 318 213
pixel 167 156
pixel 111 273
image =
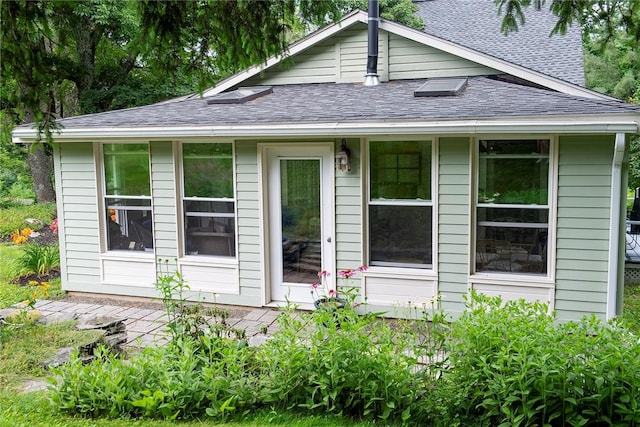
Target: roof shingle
pixel 476 24
pixel 329 102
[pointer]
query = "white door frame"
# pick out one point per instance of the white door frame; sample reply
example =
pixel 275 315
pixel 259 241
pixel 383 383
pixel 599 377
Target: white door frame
pixel 267 152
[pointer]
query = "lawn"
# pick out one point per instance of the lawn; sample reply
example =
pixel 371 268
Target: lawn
pixel 631 311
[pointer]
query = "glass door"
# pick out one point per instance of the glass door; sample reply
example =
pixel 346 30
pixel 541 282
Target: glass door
pixel 300 219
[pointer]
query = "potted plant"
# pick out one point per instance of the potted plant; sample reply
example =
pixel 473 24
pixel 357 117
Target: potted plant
pixel 327 298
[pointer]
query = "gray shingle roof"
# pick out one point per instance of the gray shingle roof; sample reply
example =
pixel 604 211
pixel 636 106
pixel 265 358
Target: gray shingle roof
pixel 329 102
pixel 476 24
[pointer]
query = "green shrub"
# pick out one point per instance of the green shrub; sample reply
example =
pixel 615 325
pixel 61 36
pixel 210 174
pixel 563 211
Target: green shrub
pixel 343 363
pixel 38 259
pixel 513 364
pixel 205 370
pixel 12 217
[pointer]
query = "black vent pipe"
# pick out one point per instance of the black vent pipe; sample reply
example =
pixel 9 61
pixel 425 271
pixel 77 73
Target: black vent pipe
pixel 371 78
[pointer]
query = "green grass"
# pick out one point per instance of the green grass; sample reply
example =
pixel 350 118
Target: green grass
pixel 33 410
pixel 13 217
pixel 631 310
pixel 24 347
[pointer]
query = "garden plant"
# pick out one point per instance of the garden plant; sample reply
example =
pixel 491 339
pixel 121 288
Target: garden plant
pixel 500 363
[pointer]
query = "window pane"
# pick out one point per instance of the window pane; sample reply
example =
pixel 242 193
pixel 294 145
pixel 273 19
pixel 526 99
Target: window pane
pixel 210 228
pixel 400 236
pixel 400 170
pixel 208 170
pixel 514 172
pixel 511 249
pixel 129 225
pixel 300 220
pixel 513 215
pixel 126 169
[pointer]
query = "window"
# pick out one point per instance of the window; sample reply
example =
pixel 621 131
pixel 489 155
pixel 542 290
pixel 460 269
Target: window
pixel 208 199
pixel 127 197
pixel 513 206
pixel 400 208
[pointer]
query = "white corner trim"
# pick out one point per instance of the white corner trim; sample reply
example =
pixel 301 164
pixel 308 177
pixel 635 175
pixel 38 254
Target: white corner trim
pixel 614 226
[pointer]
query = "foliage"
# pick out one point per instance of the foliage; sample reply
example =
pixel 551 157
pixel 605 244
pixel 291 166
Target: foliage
pixel 500 363
pixel 38 259
pixel 187 318
pixel 513 364
pixel 608 16
pixel 343 363
pixel 401 11
pixel 13 217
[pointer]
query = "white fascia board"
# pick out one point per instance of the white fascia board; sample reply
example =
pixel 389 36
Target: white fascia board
pixel 492 62
pixel 506 125
pixel 294 49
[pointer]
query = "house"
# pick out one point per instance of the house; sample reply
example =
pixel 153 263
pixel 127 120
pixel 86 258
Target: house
pixel 479 161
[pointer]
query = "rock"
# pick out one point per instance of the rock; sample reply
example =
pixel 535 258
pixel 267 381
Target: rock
pixel 112 325
pixel 34 385
pixel 61 357
pixel 59 317
pixel 8 313
pixel 34 221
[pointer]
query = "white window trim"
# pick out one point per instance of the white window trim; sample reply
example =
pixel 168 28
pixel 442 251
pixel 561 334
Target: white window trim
pixel 380 270
pixel 105 252
pixel 208 260
pixel 506 278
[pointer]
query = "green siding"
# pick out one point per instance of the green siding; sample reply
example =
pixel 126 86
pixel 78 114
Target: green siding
pixel 249 224
pixel 165 218
pixel 453 219
pixel 412 60
pixel 584 181
pixel 348 210
pixel 343 58
pixel 76 191
pixel 315 65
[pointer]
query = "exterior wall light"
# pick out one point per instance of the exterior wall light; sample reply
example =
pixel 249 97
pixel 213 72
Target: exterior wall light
pixel 343 158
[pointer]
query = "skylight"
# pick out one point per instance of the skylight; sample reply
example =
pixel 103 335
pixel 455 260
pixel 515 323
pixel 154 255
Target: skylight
pixel 240 95
pixel 442 87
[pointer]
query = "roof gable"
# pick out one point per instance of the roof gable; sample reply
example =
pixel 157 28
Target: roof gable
pixel 320 48
pixel 342 58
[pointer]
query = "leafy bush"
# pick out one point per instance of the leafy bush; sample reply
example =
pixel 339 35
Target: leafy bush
pixel 38 259
pixel 12 217
pixel 500 363
pixel 513 364
pixel 343 363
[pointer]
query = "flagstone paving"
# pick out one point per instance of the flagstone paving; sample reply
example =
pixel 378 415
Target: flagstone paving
pixel 148 326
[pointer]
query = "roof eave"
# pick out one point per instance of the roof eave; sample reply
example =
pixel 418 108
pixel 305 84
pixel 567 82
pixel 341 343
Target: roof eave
pixel 568 124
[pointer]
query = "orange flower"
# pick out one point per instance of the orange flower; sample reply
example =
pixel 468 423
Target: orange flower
pixel 113 218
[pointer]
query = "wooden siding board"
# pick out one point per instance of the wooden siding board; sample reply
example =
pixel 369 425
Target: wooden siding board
pixel 453 229
pixel 164 201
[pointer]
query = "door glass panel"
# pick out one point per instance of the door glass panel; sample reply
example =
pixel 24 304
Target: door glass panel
pixel 300 219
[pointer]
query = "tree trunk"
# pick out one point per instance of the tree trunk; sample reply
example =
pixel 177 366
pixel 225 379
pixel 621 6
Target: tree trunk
pixel 41 166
